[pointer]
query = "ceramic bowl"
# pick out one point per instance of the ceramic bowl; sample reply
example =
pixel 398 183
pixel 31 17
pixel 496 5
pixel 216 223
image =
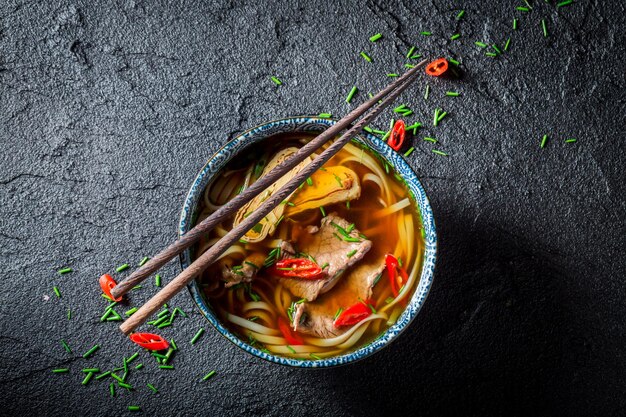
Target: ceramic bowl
pixel 312 125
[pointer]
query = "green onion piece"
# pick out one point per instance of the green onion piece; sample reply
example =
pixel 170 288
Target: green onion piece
pixel 157 280
pixel 564 3
pixel 460 15
pixel 506 45
pixel 545 29
pixel 351 94
pixel 324 115
pixel 433 140
pixel 121 268
pixel 439 152
pixel 389 300
pixel 572 140
pixel 351 253
pixel 392 74
pixel 426 33
pixel 366 56
pixel 309 182
pixel 436 117
pixel 409 152
pixel 323 211
pixel 441 116
pixel 117 377
pixel 87 378
pixel 409 66
pixel 495 48
pixel 376 37
pixel 69 314
pixel 103 375
pixel 452 94
pixel 153 388
pixel 339 310
pixel 544 140
pixel 408 55
pixel 368 129
pixel 491 54
pixel 348 204
pixel 64 271
pixel 66 346
pixel 314 356
pixel 514 24
pixel 112 389
pixel 481 44
pixel 181 312
pixel 116 316
pixel 139 366
pixel 416 56
pixel 276 80
pixel 60 371
pixel 427 91
pixel 197 335
pixel 56 291
pixel 134 408
pixel 455 36
pixel 454 61
pixel 166 366
pixel 143 261
pixel 400 108
pixel 131 311
pixel 91 351
pixel 125 385
pixel 92 370
pixel 132 357
pixel 522 9
pixel 208 376
pixel 136 287
pixel 290 348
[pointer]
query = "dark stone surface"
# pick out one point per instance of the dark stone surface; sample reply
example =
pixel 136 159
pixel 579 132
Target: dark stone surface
pixel 108 111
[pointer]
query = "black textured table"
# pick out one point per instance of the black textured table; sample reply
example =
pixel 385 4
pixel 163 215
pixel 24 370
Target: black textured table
pixel 108 112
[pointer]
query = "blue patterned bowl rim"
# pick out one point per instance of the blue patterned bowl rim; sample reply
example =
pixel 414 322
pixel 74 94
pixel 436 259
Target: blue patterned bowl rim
pixel 313 124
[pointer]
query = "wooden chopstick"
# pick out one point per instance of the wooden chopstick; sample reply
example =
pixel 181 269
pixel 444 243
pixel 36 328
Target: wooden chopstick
pixel 208 257
pixel 240 200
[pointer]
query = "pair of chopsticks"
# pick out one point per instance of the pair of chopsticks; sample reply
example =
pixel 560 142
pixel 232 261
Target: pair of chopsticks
pixel 386 96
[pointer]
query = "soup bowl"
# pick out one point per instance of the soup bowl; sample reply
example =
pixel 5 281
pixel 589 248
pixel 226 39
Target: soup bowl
pixel 312 125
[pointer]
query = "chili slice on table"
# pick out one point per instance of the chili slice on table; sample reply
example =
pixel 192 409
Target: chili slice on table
pixel 397 275
pixel 297 268
pixel 290 335
pixel 437 67
pixel 396 139
pixel 354 314
pixel 150 341
pixel 107 283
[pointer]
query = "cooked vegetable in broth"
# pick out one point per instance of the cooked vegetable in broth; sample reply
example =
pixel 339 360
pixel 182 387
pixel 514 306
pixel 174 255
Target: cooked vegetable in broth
pixel 329 269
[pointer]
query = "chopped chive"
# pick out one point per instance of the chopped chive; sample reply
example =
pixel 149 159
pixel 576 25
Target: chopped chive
pixel 495 48
pixel 87 378
pixel 326 264
pixel 91 351
pixel 454 61
pixel 427 91
pixel 131 311
pixel 314 356
pixel 290 348
pixel 455 36
pixel 173 343
pixel 56 291
pixel 143 261
pixel 426 33
pixel 506 45
pixel 115 316
pixel 136 287
pixel 368 129
pixel 544 140
pixel 112 389
pixel 366 56
pixel 134 408
pixel 103 375
pixel 60 371
pixel 572 140
pixel 376 37
pixel 132 357
pixel 69 314
pixel 409 152
pixel 114 376
pixel 409 66
pixel 64 271
pixel 66 346
pixel 392 74
pixel 436 117
pixel 545 29
pixel 351 253
pixel 338 179
pixel 522 9
pixel 351 94
pixel 441 116
pixel 400 108
pixel 139 366
pixel 125 385
pixel 491 54
pixel 324 115
pixel 276 80
pixel 181 312
pixel 514 24
pixel 416 56
pixel 157 280
pixel 414 126
pixel 309 182
pixel 323 211
pixel 208 376
pixel 433 140
pixel 389 300
pixel 460 15
pixel 197 335
pixel 564 3
pixel 153 388
pixel 338 312
pixel 166 366
pixel 408 55
pixel 348 204
pixel 439 152
pixel 481 44
pixel 452 94
pixel 377 279
pixel 121 267
pixel 91 370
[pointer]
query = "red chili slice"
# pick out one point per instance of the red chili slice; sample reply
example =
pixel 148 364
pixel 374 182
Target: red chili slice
pixel 396 139
pixel 354 314
pixel 150 341
pixel 297 268
pixel 393 268
pixel 107 283
pixel 289 334
pixel 437 67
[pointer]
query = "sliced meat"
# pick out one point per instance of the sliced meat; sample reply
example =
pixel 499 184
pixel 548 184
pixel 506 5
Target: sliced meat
pixel 244 272
pixel 317 318
pixel 333 248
